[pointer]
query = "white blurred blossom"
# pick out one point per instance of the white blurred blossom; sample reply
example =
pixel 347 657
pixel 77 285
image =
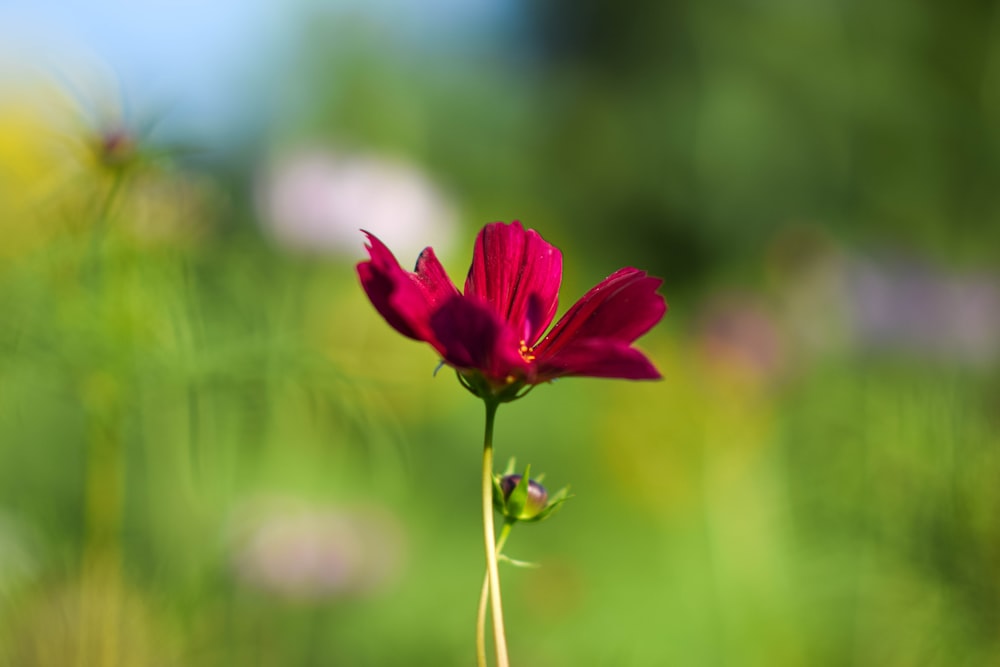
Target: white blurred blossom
pixel 317 201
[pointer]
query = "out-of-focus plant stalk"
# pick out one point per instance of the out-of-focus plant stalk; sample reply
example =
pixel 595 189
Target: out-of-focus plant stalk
pixel 493 575
pixel 104 492
pixel 104 458
pixel 103 500
pixel 101 397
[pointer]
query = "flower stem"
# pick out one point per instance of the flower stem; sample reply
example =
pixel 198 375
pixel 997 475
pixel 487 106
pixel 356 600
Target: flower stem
pixel 493 575
pixel 484 600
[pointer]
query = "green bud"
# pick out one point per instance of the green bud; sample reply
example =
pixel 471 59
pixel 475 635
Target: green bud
pixel 518 497
pixel 531 504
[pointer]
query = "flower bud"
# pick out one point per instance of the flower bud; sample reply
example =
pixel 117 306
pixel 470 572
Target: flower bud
pixel 115 149
pixel 518 497
pixel 533 502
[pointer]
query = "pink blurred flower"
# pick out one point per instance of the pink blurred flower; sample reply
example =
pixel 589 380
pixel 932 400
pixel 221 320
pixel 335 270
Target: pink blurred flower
pixel 739 334
pixel 316 202
pixel 314 552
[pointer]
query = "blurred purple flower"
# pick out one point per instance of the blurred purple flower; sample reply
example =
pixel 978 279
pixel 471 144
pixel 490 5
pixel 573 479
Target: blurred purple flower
pixel 835 300
pixel 912 307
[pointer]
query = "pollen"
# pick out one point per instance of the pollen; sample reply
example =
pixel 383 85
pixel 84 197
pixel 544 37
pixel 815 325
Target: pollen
pixel 525 351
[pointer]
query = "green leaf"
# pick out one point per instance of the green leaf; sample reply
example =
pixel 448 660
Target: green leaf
pixel 517 563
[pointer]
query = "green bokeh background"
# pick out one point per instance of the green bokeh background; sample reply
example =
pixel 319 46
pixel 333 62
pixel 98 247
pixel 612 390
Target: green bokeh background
pixel 794 492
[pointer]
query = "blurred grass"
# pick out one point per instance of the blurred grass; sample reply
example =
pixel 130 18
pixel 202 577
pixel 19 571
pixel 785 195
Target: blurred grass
pixel 844 515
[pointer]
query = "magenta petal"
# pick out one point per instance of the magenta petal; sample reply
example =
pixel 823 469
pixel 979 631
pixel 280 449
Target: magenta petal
pixel 393 294
pixel 431 277
pixel 517 273
pixel 620 308
pixel 472 336
pixel 597 358
pixel 511 298
pixel 406 300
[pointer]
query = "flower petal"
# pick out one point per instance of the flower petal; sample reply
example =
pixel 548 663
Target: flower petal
pixel 433 279
pixel 517 273
pixel 597 357
pixel 620 308
pixel 472 336
pixel 406 300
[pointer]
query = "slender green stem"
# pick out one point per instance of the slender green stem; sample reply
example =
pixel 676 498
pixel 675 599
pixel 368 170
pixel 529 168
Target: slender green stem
pixel 504 534
pixel 484 600
pixel 499 639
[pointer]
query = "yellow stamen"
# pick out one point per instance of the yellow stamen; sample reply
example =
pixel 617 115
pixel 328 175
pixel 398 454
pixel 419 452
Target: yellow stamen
pixel 526 352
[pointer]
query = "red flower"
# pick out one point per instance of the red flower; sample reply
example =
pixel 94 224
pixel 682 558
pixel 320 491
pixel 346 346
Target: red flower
pixel 511 295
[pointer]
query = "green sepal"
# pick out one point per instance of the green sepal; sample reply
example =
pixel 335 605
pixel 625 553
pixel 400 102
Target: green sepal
pixel 511 467
pixel 479 386
pixel 519 496
pixel 553 506
pixel 498 499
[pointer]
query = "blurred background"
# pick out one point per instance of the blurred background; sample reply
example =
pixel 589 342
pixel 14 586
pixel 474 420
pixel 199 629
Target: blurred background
pixel 214 452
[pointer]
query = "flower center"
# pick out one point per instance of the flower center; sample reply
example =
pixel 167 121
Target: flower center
pixel 525 351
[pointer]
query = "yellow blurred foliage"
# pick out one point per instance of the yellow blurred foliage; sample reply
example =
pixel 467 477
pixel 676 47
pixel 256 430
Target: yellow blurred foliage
pixel 94 620
pixel 705 423
pixel 39 158
pixel 65 168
